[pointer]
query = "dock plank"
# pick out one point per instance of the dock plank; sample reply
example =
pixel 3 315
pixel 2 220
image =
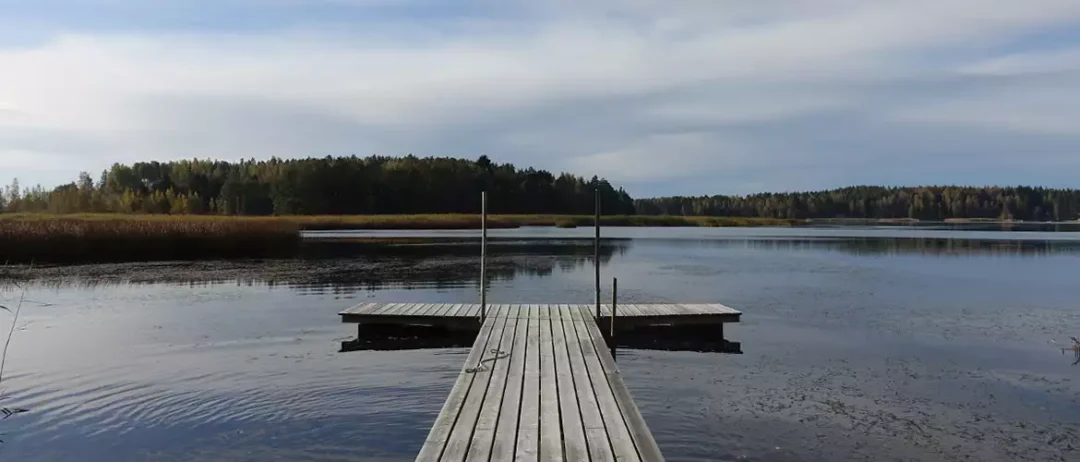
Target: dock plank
pixel 474 310
pixel 506 431
pixel 528 426
pixel 660 310
pixel 405 309
pixel 622 444
pixel 484 432
pixel 551 447
pixel 445 309
pixel 383 308
pixel 444 423
pixel 428 309
pixel 596 434
pixel 575 446
pixel 639 431
pixel 360 309
pixel 457 446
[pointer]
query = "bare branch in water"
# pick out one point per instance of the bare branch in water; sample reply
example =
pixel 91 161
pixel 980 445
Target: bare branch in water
pixel 8 412
pixel 1075 348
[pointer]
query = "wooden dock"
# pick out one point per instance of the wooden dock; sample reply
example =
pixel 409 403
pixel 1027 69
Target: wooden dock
pixel 467 316
pixel 539 383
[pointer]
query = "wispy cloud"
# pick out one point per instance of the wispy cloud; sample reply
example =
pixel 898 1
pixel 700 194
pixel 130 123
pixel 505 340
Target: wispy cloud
pixel 662 95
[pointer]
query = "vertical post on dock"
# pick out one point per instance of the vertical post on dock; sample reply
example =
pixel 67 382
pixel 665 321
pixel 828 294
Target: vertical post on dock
pixel 596 251
pixel 483 255
pixel 614 304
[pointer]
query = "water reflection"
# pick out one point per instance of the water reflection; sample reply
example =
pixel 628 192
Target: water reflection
pixel 341 267
pixel 874 246
pixel 401 337
pixel 382 337
pixel 702 339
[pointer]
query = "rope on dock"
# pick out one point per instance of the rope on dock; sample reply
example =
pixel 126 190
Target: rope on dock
pixel 499 354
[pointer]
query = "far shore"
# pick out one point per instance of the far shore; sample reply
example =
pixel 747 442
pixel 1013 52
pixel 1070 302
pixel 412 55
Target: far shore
pixel 95 238
pixel 417 221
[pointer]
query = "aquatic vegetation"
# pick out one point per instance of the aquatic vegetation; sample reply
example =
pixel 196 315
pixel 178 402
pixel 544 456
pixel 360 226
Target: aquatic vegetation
pixel 7 411
pixel 1074 348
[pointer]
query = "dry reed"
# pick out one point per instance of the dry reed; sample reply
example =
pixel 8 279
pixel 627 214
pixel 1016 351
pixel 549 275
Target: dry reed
pixel 75 240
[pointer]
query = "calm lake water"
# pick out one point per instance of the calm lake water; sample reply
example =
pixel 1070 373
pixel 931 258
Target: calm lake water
pixel 858 344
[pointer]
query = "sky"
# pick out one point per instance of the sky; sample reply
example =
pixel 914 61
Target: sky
pixel 663 97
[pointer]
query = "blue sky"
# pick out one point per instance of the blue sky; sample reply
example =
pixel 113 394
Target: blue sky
pixel 664 97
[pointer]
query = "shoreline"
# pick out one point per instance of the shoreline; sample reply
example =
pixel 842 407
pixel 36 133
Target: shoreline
pixel 109 238
pixel 416 221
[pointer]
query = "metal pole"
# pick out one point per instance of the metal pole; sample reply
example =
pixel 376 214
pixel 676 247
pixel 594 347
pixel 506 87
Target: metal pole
pixel 483 255
pixel 596 252
pixel 614 303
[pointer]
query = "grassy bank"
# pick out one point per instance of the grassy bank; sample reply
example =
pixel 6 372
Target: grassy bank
pixel 114 238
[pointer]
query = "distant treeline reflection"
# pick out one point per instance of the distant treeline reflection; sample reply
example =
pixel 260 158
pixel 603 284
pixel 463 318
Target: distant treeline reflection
pixel 870 246
pixel 343 266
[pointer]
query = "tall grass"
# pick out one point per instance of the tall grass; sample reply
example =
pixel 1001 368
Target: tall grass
pixel 114 238
pixel 458 221
pixel 98 239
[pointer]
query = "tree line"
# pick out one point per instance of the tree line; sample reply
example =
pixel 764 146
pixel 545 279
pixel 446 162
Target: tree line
pixel 923 203
pixel 321 186
pixel 398 185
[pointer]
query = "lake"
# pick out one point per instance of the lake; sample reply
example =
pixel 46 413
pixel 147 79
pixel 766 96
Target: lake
pixel 857 344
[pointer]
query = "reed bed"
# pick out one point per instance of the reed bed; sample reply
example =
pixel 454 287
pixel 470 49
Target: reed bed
pixel 114 238
pixel 458 221
pixel 97 239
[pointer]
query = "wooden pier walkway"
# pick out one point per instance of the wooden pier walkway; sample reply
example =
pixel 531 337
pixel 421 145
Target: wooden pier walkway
pixel 539 383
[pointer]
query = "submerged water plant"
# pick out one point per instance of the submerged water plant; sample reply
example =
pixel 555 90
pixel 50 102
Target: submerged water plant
pixel 5 411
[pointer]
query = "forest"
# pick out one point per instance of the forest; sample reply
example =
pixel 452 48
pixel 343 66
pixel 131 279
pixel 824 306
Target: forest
pixel 440 185
pixel 876 202
pixel 321 186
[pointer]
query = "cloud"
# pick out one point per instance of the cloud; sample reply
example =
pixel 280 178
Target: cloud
pixel 659 95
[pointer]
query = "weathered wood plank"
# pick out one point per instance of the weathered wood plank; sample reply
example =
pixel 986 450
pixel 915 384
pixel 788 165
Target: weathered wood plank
pixel 691 310
pixel 457 445
pixel 458 310
pixel 382 308
pixel 465 309
pixel 661 310
pixel 618 433
pixel 628 310
pixel 574 445
pixel 506 431
pixel 474 311
pixel 444 423
pixel 484 432
pixel 723 309
pixel 359 309
pixel 639 431
pixel 551 447
pixel 440 309
pixel 406 309
pixel 646 310
pixel 528 425
pixel 534 313
pixel 596 434
pixel 427 309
